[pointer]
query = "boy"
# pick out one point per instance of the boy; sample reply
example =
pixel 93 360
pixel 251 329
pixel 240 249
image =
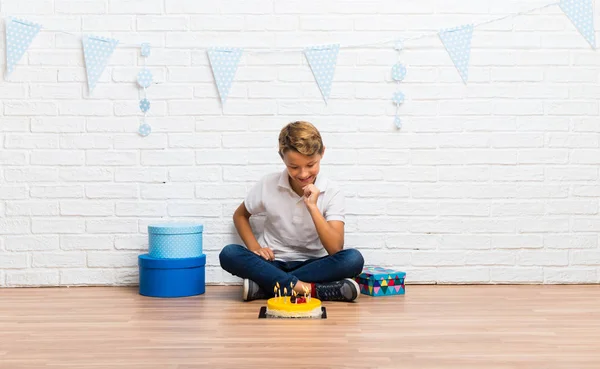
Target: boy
pixel 302 246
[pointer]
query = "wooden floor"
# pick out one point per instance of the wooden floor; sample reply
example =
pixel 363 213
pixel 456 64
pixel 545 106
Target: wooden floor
pixel 430 327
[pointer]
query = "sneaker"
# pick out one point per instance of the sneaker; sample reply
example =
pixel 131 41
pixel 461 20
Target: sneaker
pixel 345 290
pixel 252 291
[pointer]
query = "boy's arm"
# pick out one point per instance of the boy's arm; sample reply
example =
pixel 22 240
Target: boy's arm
pixel 241 220
pixel 330 233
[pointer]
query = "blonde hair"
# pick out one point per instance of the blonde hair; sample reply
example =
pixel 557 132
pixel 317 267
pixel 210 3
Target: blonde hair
pixel 301 137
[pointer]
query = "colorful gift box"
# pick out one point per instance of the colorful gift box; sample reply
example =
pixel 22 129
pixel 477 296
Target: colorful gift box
pixel 377 281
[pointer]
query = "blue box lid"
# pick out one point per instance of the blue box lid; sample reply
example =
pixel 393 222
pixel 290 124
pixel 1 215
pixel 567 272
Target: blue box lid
pixel 175 228
pixel 375 272
pixel 146 261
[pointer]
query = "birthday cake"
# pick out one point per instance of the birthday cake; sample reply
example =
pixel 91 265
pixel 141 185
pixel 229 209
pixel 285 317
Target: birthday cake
pixel 293 306
pixel 288 307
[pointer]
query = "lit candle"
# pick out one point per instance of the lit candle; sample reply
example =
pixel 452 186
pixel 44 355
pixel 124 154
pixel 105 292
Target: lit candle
pixel 278 290
pixel 275 291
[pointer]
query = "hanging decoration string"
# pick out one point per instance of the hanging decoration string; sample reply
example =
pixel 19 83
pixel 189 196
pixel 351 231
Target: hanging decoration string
pixel 350 46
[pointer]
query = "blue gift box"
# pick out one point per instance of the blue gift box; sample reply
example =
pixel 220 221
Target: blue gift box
pixel 171 277
pixel 378 281
pixel 175 240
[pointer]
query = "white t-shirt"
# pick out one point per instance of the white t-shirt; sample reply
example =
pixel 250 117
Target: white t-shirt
pixel 289 229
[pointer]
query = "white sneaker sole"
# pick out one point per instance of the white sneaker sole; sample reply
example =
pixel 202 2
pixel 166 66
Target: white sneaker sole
pixel 355 286
pixel 246 289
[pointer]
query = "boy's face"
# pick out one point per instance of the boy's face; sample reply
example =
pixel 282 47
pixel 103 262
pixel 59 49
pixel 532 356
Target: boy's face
pixel 302 169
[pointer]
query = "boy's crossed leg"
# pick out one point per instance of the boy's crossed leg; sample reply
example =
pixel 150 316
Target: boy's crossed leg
pixel 328 278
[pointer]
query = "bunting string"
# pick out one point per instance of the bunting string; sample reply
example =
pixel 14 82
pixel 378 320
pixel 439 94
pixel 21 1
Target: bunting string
pixel 376 44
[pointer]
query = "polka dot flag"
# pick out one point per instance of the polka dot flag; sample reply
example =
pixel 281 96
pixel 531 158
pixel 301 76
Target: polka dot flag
pixel 224 62
pixel 322 61
pixel 96 52
pixel 581 14
pixel 19 35
pixel 457 42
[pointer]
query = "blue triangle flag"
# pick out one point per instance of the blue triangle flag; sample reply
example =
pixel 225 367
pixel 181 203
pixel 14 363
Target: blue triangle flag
pixel 96 52
pixel 457 42
pixel 322 61
pixel 19 35
pixel 224 62
pixel 581 14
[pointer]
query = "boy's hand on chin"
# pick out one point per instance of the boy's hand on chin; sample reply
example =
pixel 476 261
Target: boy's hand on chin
pixel 311 194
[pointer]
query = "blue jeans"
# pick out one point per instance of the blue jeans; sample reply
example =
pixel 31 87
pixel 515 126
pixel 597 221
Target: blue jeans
pixel 240 261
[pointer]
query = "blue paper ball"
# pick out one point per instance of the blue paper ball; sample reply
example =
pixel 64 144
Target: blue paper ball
pixel 145 78
pixel 398 97
pixel 145 49
pixel 144 105
pixel 397 122
pixel 398 72
pixel 398 45
pixel 144 130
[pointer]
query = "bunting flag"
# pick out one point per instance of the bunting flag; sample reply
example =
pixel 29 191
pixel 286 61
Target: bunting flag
pixel 224 63
pixel 581 14
pixel 96 52
pixel 322 61
pixel 19 35
pixel 457 42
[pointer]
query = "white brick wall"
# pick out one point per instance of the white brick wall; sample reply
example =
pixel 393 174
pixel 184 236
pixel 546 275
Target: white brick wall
pixel 492 182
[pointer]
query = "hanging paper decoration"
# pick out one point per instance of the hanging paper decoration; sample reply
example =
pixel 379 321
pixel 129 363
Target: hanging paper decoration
pixel 144 105
pixel 398 45
pixel 398 97
pixel 581 14
pixel 322 61
pixel 457 42
pixel 397 121
pixel 144 129
pixel 19 35
pixel 398 74
pixel 96 52
pixel 145 49
pixel 224 62
pixel 144 80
